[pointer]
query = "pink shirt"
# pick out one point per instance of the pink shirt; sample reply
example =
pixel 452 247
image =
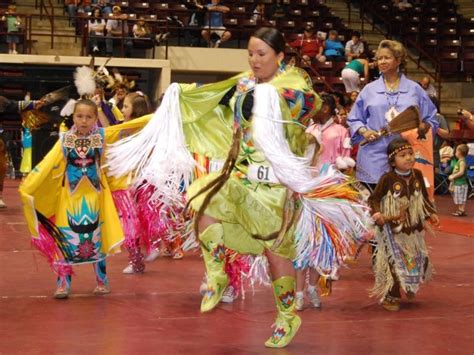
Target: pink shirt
pixel 335 143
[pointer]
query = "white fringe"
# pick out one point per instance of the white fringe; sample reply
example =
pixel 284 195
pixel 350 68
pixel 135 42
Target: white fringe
pixel 157 154
pixel 298 175
pixel 259 272
pixel 292 171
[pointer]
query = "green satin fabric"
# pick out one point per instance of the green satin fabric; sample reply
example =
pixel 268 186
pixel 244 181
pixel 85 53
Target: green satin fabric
pixel 244 207
pixel 207 125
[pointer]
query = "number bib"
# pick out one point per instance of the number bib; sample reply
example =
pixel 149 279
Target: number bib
pixel 262 173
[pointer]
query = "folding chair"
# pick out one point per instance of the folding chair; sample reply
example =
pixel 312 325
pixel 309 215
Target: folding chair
pixel 441 182
pixel 470 173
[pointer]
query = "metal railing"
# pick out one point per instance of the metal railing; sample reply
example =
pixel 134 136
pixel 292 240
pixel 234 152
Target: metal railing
pixel 386 31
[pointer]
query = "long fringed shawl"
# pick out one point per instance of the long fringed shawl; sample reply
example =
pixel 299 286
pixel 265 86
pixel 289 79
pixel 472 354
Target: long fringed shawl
pixel 333 222
pixel 157 155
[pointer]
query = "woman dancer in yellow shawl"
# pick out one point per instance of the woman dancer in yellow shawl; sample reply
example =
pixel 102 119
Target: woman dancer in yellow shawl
pixel 263 198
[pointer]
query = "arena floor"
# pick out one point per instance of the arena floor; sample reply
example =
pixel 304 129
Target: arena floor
pixel 158 312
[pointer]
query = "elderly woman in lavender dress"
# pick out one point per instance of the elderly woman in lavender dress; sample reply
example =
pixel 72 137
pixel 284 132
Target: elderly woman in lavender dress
pixel 378 103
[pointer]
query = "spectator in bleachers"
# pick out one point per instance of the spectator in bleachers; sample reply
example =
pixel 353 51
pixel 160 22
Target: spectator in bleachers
pixel 196 19
pixel 310 46
pixel 96 27
pixel 278 10
pixel 402 4
pixel 13 29
pixel 73 6
pixel 258 14
pixel 104 6
pixel 141 29
pixel 215 21
pixel 354 47
pixel 334 50
pixel 352 72
pixel 425 83
pixel 117 30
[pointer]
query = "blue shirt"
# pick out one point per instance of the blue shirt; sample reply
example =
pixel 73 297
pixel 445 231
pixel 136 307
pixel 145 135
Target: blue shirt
pixel 216 18
pixel 369 111
pixel 333 48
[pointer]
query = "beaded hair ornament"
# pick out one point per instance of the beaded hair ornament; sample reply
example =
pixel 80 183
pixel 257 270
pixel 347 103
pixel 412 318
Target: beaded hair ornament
pixel 399 149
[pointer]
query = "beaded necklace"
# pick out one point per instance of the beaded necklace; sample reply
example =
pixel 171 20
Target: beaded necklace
pixel 402 174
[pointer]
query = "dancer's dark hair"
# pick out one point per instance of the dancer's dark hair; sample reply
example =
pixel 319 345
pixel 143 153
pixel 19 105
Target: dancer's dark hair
pixel 272 37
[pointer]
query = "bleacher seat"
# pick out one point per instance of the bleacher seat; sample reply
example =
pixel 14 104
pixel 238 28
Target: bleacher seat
pixel 449 63
pixel 468 63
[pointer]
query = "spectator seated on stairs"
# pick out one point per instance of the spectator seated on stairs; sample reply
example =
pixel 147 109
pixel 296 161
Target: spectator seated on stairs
pixel 117 30
pixel 104 6
pixel 192 34
pixel 96 26
pixel 402 4
pixel 425 83
pixel 75 6
pixel 215 23
pixel 354 47
pixel 311 47
pixel 334 50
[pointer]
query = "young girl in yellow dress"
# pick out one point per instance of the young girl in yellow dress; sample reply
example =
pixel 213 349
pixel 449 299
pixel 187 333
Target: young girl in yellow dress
pixel 68 203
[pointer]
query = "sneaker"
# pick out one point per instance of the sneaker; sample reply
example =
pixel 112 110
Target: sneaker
pixel 14 52
pixel 217 44
pixel 95 49
pixel 102 290
pixel 158 38
pixel 128 269
pixel 314 298
pixel 10 51
pixel 165 36
pixel 61 292
pixel 229 295
pixel 155 253
pixel 2 204
pixel 299 303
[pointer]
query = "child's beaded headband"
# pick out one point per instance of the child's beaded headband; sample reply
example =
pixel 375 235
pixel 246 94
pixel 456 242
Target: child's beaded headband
pixel 399 149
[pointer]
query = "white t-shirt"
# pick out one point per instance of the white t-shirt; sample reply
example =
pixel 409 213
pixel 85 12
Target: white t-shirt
pixel 357 48
pixel 94 27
